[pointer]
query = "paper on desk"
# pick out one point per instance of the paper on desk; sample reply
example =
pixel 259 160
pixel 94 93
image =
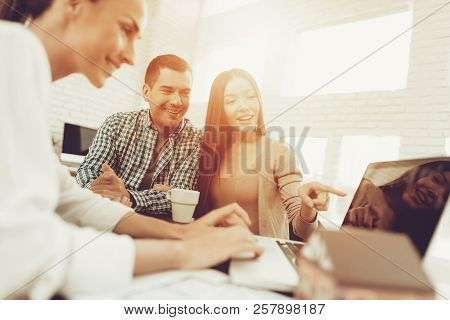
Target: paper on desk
pixel 184 285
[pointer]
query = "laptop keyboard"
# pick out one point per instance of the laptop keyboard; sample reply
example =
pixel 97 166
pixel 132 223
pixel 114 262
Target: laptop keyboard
pixel 290 250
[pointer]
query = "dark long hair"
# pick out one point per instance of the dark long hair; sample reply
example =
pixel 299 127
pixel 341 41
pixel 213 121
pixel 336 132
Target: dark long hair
pixel 218 134
pixel 416 173
pixel 21 10
pixel 419 224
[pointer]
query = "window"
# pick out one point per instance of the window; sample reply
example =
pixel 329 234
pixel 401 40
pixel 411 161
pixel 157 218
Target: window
pixel 447 146
pixel 358 151
pixel 213 7
pixel 311 154
pixel 320 55
pixel 248 56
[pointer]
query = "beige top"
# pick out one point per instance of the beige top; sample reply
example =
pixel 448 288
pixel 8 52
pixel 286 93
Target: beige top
pixel 278 202
pixel 242 189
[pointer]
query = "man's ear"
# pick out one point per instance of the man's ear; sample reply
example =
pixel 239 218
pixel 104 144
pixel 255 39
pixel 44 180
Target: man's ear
pixel 146 91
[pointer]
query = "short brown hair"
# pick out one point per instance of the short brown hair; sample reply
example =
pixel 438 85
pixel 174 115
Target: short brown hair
pixel 169 61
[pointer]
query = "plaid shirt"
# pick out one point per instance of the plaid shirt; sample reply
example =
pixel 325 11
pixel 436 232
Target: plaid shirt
pixel 127 142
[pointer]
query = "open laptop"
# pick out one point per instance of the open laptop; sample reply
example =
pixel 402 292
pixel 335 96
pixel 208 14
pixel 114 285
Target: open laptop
pixel 409 196
pixel 76 142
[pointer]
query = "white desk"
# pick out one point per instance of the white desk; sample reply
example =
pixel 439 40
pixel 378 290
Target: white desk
pixel 438 270
pixel 215 285
pixel 184 285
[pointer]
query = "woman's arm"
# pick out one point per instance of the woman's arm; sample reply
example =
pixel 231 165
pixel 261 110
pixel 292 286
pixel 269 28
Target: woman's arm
pixel 301 201
pixel 289 180
pixel 139 226
pixel 202 251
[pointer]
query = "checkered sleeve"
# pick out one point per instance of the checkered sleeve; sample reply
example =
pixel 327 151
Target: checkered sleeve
pixel 150 201
pixel 184 177
pixel 186 173
pixel 102 150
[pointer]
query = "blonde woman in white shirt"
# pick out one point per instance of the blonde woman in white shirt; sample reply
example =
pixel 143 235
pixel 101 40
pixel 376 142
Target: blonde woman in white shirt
pixel 55 236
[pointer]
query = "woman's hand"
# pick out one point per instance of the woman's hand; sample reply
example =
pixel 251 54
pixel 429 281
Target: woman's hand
pixel 228 216
pixel 202 251
pixel 316 197
pixel 125 201
pixel 217 246
pixel 370 209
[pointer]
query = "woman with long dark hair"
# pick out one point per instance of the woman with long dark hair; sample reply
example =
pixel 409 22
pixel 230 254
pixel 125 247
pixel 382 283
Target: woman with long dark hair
pixel 46 247
pixel 239 164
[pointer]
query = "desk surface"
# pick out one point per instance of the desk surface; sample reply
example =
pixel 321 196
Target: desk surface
pixel 184 285
pixel 438 270
pixel 215 285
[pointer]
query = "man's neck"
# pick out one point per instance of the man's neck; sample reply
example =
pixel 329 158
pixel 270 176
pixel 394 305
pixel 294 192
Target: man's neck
pixel 164 132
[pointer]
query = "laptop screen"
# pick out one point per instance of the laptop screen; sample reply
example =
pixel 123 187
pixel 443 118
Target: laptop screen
pixel 405 196
pixel 76 142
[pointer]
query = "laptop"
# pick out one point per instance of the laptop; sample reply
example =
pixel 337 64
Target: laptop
pixel 407 196
pixel 76 142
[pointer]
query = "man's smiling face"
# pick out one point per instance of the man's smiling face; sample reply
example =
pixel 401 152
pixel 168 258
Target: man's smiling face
pixel 169 98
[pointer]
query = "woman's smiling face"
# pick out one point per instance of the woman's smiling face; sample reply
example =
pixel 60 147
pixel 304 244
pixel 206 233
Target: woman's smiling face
pixel 241 104
pixel 428 192
pixel 103 33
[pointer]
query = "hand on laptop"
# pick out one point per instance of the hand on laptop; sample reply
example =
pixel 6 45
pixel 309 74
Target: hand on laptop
pixel 228 216
pixel 109 185
pixel 217 246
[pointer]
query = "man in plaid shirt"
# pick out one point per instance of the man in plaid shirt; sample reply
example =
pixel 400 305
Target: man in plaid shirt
pixel 137 156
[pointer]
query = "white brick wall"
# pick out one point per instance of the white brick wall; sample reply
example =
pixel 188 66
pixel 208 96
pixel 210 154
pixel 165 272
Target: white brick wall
pixel 171 29
pixel 421 110
pixel 420 114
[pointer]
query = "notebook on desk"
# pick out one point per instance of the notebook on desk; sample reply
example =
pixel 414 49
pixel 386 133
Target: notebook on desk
pixel 276 268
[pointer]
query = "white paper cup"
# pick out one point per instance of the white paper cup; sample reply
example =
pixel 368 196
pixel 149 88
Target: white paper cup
pixel 183 204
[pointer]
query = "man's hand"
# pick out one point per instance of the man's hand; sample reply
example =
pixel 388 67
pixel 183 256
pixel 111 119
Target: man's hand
pixel 109 185
pixel 217 246
pixel 316 196
pixel 161 187
pixel 228 216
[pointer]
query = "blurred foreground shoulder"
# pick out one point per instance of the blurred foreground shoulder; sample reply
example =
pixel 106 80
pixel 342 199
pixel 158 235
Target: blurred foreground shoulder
pixel 17 37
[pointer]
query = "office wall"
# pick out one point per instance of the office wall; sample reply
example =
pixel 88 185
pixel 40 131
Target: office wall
pixel 419 114
pixel 171 28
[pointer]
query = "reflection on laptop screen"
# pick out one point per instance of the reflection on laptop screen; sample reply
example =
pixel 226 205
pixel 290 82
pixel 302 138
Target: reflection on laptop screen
pixel 406 196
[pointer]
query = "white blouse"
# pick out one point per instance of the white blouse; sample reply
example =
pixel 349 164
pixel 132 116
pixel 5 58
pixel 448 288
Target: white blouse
pixel 54 236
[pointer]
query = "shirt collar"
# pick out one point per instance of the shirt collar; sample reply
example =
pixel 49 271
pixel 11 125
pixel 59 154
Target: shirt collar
pixel 174 134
